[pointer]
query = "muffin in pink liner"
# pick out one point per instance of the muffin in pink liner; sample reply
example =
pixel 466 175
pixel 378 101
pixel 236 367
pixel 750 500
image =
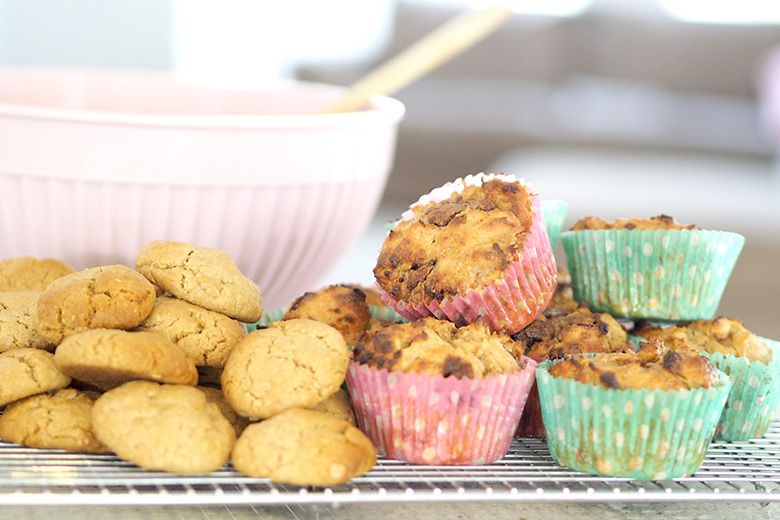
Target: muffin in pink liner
pixel 432 393
pixel 439 420
pixel 473 250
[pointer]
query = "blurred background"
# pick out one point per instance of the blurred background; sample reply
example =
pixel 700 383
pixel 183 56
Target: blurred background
pixel 618 107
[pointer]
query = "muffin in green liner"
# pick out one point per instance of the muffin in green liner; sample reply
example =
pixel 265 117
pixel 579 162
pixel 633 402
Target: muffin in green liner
pixel 658 274
pixel 554 213
pixel 633 433
pixel 754 396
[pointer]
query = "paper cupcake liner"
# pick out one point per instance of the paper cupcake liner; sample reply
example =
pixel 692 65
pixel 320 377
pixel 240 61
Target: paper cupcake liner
pixel 383 313
pixel 754 396
pixel 554 212
pixel 639 434
pixel 507 304
pixel 531 422
pixel 269 316
pixel 669 275
pixel 436 420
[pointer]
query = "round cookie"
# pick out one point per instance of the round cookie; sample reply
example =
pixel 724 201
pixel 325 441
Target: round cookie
pixel 107 358
pixel 201 275
pixel 206 336
pixel 215 395
pixel 19 320
pixel 59 421
pixel 338 405
pixel 291 363
pixel 28 371
pixel 163 427
pixel 111 297
pixel 26 273
pixel 303 448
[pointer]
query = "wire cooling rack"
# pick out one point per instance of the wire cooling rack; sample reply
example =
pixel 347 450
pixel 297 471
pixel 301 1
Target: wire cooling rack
pixel 735 471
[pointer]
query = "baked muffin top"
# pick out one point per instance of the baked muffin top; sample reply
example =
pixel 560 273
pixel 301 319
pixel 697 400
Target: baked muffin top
pixel 432 346
pixel 654 367
pixel 342 307
pixel 462 242
pixel 724 335
pixel 580 331
pixel 658 222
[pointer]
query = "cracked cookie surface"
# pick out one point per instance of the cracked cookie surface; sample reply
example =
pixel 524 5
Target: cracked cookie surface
pixel 163 427
pixel 111 297
pixel 60 420
pixel 201 275
pixel 107 358
pixel 19 321
pixel 26 273
pixel 28 371
pixel 206 336
pixel 296 362
pixel 304 448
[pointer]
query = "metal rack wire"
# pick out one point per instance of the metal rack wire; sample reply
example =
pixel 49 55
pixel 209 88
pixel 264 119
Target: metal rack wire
pixel 738 471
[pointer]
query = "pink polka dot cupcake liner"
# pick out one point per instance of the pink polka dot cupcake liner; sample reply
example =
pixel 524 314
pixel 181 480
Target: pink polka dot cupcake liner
pixel 668 275
pixel 509 303
pixel 438 420
pixel 754 396
pixel 639 434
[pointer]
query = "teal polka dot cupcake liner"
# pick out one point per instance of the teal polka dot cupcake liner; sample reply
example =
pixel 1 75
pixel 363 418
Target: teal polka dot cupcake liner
pixel 385 313
pixel 754 396
pixel 667 275
pixel 268 318
pixel 554 213
pixel 638 434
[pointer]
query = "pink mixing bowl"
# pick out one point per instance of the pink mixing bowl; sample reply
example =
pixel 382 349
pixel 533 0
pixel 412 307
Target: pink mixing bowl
pixel 96 163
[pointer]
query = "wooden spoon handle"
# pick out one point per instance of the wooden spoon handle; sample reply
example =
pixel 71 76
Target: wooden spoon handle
pixel 426 54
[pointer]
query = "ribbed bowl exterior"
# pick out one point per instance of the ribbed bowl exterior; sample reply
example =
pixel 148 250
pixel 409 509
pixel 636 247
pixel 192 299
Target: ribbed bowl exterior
pixel 283 237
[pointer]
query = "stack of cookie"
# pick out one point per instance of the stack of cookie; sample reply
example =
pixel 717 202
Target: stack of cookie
pixel 113 359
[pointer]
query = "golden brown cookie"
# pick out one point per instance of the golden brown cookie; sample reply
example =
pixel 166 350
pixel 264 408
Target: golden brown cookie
pixel 201 275
pixel 291 363
pixel 28 371
pixel 26 273
pixel 342 307
pixel 107 358
pixel 19 321
pixel 163 427
pixel 110 297
pixel 215 395
pixel 304 448
pixel 60 420
pixel 206 336
pixel 338 405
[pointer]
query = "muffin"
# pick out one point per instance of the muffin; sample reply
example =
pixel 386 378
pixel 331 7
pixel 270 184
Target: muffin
pixel 650 268
pixel 342 307
pixel 648 415
pixel 563 333
pixel 473 250
pixel 433 393
pixel 752 363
